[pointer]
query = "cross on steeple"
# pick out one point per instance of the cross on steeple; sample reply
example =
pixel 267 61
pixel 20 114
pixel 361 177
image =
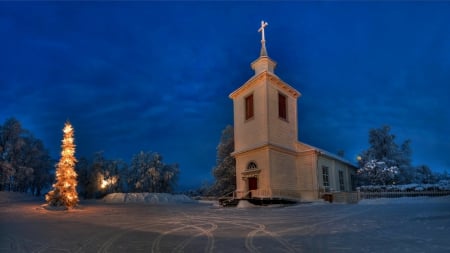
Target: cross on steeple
pixel 261 30
pixel 263 39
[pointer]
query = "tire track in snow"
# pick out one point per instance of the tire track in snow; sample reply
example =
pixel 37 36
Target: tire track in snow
pixel 108 243
pixel 255 229
pixel 207 232
pixel 340 216
pixel 95 238
pixel 312 228
pixel 250 236
pixel 179 248
pixel 249 241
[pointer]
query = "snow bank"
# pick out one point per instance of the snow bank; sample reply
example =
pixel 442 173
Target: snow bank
pixel 147 197
pixel 7 197
pixel 244 204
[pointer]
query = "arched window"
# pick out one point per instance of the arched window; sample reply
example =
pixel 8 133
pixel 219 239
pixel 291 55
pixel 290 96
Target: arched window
pixel 252 166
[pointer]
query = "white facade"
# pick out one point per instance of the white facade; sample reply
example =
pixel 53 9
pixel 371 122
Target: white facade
pixel 270 161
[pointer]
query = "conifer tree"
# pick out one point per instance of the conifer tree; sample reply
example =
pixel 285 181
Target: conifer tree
pixel 225 169
pixel 64 191
pixel 385 162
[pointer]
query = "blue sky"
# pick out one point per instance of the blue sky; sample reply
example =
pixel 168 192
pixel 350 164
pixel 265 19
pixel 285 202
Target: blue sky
pixel 155 76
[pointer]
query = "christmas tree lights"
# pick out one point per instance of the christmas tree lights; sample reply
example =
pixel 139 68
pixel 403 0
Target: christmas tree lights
pixel 64 191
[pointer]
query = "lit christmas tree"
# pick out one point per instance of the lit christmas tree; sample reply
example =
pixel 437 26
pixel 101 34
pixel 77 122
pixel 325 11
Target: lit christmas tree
pixel 64 191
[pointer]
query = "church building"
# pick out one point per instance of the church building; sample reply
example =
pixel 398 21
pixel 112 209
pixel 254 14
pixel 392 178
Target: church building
pixel 270 161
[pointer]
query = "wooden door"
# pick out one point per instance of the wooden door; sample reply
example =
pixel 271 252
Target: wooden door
pixel 252 183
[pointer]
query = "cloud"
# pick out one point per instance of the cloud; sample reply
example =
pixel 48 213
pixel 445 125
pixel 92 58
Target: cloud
pixel 156 76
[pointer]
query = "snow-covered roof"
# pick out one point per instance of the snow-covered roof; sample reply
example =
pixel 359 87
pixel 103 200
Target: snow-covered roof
pixel 305 147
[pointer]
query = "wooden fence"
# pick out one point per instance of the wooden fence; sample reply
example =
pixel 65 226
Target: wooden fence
pixel 401 194
pixel 354 197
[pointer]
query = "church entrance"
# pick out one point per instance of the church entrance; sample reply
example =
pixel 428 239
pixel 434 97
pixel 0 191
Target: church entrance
pixel 252 185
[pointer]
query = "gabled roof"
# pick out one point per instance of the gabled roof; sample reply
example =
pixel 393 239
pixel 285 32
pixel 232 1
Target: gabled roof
pixel 272 77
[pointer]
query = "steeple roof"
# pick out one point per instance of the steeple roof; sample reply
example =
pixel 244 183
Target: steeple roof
pixel 263 52
pixel 263 63
pixel 264 71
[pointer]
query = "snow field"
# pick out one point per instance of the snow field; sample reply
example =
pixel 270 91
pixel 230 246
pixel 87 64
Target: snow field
pixel 146 197
pixel 418 225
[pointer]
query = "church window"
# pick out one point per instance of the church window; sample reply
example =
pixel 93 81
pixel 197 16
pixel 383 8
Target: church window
pixel 325 176
pixel 252 166
pixel 282 106
pixel 353 182
pixel 249 107
pixel 341 181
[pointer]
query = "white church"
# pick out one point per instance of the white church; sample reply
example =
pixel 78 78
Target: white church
pixel 270 161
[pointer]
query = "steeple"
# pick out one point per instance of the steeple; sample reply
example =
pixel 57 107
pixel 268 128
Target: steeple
pixel 263 63
pixel 263 39
pixel 263 49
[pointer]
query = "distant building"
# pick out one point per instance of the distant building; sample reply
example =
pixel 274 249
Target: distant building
pixel 270 161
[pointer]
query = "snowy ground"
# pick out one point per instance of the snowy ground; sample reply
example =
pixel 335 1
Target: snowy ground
pixel 384 225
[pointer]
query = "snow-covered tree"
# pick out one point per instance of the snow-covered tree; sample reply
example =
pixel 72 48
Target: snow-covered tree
pixel 169 177
pixel 11 143
pixel 442 176
pixel 137 179
pixel 225 170
pixel 424 175
pixel 383 156
pixel 110 177
pixel 148 173
pixel 37 163
pixel 64 191
pixel 377 173
pixel 101 176
pixel 24 161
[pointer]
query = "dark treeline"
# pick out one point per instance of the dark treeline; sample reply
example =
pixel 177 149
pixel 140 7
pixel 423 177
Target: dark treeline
pixel 146 173
pixel 26 166
pixel 386 162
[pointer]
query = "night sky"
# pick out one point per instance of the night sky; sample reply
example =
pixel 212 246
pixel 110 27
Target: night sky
pixel 155 76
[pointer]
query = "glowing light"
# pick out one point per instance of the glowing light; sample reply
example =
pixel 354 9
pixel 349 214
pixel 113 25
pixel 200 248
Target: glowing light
pixel 104 184
pixel 107 182
pixel 64 190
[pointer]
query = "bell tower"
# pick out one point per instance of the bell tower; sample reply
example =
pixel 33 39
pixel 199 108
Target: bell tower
pixel 265 127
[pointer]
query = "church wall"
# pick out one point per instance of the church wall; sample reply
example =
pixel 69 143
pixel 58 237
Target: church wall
pixel 329 163
pixel 307 179
pixel 283 174
pixel 252 132
pixel 334 167
pixel 348 171
pixel 240 167
pixel 261 158
pixel 282 132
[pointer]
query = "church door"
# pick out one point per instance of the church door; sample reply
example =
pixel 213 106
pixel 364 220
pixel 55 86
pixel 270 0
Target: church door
pixel 252 184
